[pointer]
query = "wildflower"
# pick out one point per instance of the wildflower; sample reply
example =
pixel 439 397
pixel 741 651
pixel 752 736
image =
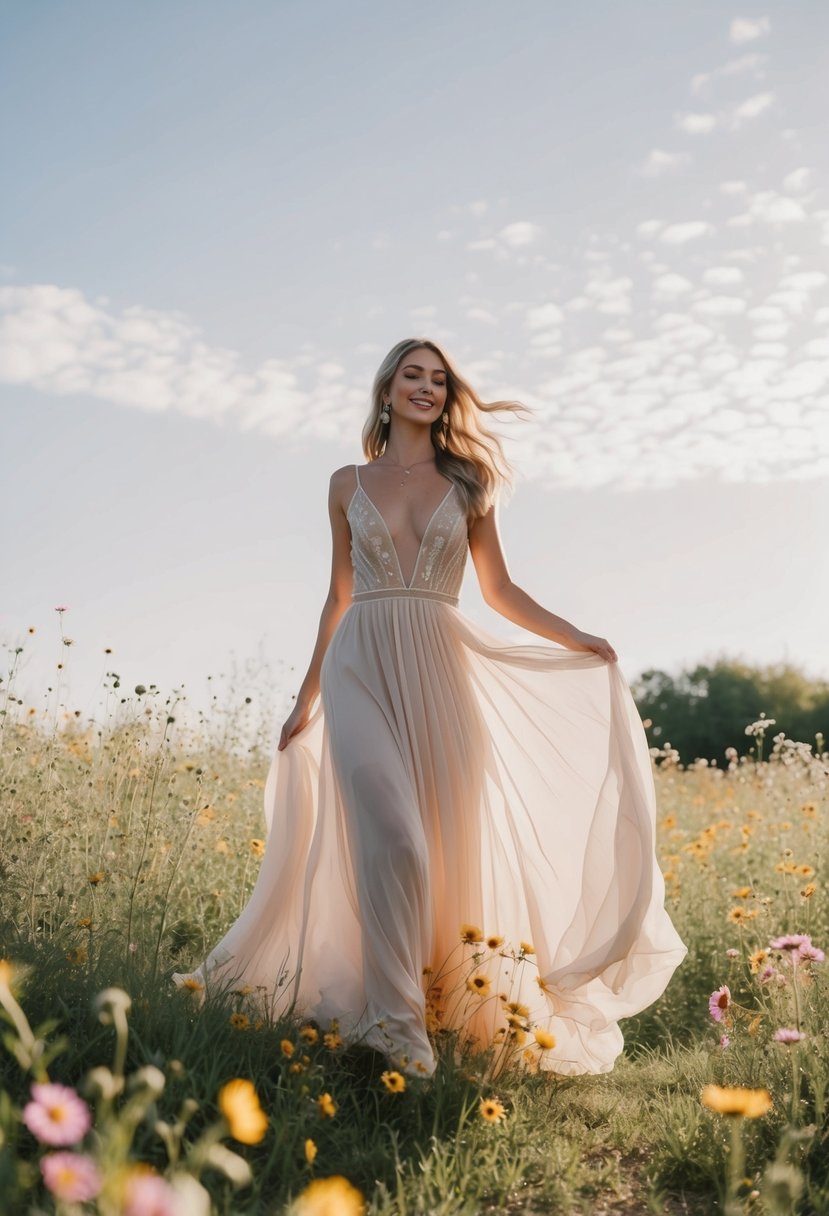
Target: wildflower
pixel 394 1082
pixel 71 1177
pixel 790 941
pixel 810 953
pixel 517 1007
pixel 471 934
pixel 739 914
pixel 94 879
pixel 296 1067
pixel 809 890
pixel 332 1040
pixel 785 1035
pixel 736 1100
pixel 239 1104
pixel 309 1034
pixel 84 923
pixel 334 1196
pixel 239 1021
pixel 491 1110
pixel 741 893
pixel 732 953
pixel 244 990
pixel 542 983
pixel 809 809
pixel 768 973
pixel 221 846
pixel 545 1040
pixel 724 1040
pixel 56 1115
pixel 77 955
pixel 805 871
pixel 257 847
pixel 287 1047
pixel 479 984
pixel 327 1106
pixel 427 970
pixel 718 1002
pixel 310 1150
pixel 494 942
pixel 192 984
pixel 757 959
pixel 526 947
pixel 148 1193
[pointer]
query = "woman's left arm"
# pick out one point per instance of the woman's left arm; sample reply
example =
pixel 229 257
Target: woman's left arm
pixel 506 597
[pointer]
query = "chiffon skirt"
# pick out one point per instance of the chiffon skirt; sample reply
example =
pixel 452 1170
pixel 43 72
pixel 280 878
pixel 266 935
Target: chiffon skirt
pixel 447 779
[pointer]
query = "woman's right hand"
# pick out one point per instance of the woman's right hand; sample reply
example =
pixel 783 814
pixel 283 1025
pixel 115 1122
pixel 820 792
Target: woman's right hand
pixel 296 720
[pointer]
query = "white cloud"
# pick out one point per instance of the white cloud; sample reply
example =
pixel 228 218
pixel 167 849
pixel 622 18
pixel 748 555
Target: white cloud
pixel 659 162
pixel 734 67
pixel 680 234
pixel 753 107
pixel 798 180
pixel 520 233
pixel 746 29
pixel 696 124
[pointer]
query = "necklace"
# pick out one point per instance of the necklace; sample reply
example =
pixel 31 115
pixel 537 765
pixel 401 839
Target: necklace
pixel 406 471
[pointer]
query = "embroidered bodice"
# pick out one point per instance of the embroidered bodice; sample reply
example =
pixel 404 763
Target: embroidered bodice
pixel 438 569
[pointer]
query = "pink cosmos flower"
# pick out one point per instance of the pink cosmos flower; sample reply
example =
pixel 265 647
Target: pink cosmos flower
pixel 56 1115
pixel 71 1177
pixel 785 1035
pixel 811 954
pixel 149 1195
pixel 768 973
pixel 718 1002
pixel 790 941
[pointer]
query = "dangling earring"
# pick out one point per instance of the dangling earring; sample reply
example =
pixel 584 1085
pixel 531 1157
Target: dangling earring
pixel 385 415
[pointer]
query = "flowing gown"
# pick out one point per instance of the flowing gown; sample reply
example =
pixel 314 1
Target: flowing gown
pixel 447 779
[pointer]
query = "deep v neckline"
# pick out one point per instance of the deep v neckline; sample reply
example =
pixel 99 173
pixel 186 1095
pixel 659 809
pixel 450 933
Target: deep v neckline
pixel 407 585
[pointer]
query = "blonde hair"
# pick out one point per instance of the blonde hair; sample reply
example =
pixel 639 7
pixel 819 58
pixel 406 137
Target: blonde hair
pixel 466 452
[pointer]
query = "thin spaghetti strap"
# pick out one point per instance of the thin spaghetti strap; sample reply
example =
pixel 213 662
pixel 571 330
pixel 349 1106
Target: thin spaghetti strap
pixel 357 471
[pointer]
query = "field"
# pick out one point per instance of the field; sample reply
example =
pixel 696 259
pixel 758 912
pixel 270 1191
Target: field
pixel 128 849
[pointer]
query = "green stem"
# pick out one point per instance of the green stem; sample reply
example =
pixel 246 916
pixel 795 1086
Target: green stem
pixel 736 1167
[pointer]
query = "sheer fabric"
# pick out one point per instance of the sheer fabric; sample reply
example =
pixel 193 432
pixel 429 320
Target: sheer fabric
pixel 447 778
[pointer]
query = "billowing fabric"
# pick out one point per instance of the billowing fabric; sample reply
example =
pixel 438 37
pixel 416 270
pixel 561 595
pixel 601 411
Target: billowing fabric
pixel 448 778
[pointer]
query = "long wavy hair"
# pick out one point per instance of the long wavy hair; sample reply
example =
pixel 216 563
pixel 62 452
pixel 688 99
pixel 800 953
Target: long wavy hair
pixel 466 451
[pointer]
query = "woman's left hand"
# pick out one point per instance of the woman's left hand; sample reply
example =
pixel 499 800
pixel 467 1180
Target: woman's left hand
pixel 600 646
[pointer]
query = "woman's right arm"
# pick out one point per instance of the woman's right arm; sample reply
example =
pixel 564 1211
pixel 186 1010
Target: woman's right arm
pixel 336 602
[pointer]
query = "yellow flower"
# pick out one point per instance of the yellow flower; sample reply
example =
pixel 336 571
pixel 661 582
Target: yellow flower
pixel 287 1047
pixel 221 846
pixel 309 1034
pixel 494 942
pixel 394 1082
pixel 757 959
pixel 517 1007
pixel 257 847
pixel 542 983
pixel 192 984
pixel 738 915
pixel 736 1100
pixel 527 948
pixel 741 893
pixel 327 1106
pixel 491 1110
pixel 239 1021
pixel 805 871
pixel 296 1067
pixel 471 933
pixel 545 1040
pixel 479 984
pixel 94 879
pixel 240 1106
pixel 332 1040
pixel 310 1150
pixel 77 954
pixel 809 890
pixel 334 1196
pixel 810 809
pixel 427 970
pixel 85 922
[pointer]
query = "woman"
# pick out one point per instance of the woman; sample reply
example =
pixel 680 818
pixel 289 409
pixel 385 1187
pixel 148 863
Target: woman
pixel 448 783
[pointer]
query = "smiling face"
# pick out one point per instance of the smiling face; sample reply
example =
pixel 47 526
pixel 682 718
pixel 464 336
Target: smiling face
pixel 418 390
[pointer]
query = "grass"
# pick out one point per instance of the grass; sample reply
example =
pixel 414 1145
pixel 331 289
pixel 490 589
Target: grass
pixel 127 851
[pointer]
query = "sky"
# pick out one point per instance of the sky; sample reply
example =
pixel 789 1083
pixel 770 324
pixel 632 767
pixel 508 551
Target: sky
pixel 219 217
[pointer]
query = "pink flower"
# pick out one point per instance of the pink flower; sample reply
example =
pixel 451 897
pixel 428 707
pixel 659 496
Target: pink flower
pixel 768 973
pixel 785 1035
pixel 56 1115
pixel 149 1195
pixel 811 954
pixel 71 1177
pixel 790 941
pixel 718 1002
pixel 724 1040
pixel 732 953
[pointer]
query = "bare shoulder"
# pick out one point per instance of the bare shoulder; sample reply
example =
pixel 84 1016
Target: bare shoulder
pixel 341 486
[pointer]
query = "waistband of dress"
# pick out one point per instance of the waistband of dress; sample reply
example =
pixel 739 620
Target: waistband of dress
pixel 414 593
